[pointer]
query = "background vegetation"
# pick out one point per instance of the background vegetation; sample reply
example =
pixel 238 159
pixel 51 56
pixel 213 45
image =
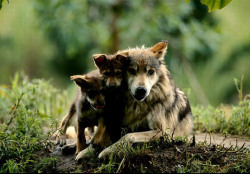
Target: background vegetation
pixel 42 43
pixel 55 39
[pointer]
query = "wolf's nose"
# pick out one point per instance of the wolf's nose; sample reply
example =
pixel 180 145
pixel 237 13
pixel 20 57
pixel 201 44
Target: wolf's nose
pixel 140 93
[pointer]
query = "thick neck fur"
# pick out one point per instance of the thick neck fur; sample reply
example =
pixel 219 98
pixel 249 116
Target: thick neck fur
pixel 162 92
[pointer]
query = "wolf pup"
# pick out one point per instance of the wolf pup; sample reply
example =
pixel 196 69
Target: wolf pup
pixel 154 103
pixel 88 105
pixel 112 68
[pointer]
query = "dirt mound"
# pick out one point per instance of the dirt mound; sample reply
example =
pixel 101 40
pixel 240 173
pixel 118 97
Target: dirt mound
pixel 163 156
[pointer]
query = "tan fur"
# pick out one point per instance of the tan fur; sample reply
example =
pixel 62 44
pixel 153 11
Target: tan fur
pixel 164 109
pixel 71 133
pixel 161 109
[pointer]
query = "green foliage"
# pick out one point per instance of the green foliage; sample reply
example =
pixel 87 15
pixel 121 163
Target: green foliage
pixel 185 158
pixel 1 3
pixel 23 47
pixel 27 108
pixel 81 28
pixel 57 39
pixel 37 97
pixel 125 151
pixel 228 120
pixel 225 119
pixel 240 165
pixel 215 4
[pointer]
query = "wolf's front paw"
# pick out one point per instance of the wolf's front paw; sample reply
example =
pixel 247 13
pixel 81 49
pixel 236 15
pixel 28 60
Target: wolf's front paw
pixel 85 153
pixel 61 140
pixel 106 152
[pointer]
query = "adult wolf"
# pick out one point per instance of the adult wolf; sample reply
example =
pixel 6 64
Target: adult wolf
pixel 154 103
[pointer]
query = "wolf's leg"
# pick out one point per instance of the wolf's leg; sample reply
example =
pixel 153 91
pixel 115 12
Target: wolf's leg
pixel 85 153
pixel 80 139
pixel 89 133
pixel 132 138
pixel 101 138
pixel 101 135
pixel 65 123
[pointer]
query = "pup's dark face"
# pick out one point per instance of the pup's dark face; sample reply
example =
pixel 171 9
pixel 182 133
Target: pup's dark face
pixel 144 68
pixel 91 88
pixel 112 68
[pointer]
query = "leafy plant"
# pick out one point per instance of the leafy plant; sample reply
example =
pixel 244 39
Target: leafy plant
pixel 225 119
pixel 1 3
pixel 27 108
pixel 213 4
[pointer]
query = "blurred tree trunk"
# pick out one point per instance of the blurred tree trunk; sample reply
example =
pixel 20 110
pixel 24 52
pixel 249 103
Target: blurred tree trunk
pixel 116 11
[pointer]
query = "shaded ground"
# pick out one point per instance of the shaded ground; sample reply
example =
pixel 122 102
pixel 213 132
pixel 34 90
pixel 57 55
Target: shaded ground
pixel 213 154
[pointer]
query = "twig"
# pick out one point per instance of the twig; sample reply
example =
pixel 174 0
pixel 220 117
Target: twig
pixel 193 142
pixel 226 150
pixel 155 135
pixel 205 138
pixel 220 154
pixel 240 148
pixel 210 139
pixel 14 109
pixel 223 140
pixel 172 136
pixel 222 148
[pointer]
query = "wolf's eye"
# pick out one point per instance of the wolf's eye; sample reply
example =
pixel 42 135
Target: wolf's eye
pixel 132 71
pixel 151 72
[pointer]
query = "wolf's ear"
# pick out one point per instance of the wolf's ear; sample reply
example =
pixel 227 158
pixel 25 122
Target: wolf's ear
pixel 160 49
pixel 99 59
pixel 122 56
pixel 80 81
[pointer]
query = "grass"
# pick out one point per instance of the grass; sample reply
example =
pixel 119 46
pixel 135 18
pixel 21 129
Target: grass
pixel 26 108
pixel 177 155
pixel 29 107
pixel 234 120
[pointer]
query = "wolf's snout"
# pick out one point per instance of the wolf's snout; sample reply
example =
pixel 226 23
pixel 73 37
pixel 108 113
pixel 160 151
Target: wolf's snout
pixel 140 93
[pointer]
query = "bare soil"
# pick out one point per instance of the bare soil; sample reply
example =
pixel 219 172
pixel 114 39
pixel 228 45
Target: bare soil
pixel 164 156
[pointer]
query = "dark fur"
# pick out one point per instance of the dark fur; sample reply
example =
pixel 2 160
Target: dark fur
pixel 89 97
pixel 162 108
pixel 112 68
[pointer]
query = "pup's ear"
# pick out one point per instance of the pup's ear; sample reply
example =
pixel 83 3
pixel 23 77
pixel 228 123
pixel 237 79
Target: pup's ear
pixel 80 81
pixel 160 49
pixel 99 59
pixel 122 56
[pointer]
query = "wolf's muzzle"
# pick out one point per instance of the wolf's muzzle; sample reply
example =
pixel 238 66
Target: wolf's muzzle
pixel 140 93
